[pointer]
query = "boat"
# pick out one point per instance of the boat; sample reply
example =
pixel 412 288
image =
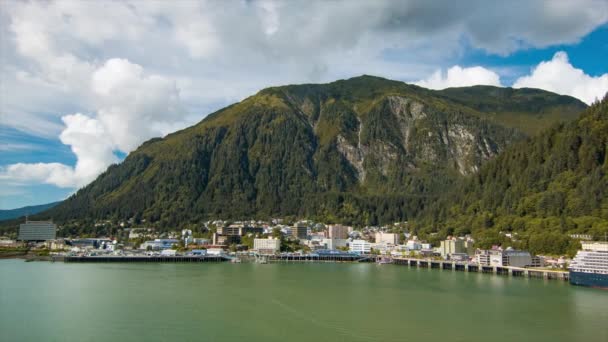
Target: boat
pixel 590 266
pixel 384 261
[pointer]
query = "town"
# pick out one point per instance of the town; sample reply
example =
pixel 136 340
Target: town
pixel 278 240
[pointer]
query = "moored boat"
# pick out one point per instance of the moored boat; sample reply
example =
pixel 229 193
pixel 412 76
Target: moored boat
pixel 590 266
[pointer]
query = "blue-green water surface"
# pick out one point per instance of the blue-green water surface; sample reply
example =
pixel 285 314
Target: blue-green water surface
pixel 42 301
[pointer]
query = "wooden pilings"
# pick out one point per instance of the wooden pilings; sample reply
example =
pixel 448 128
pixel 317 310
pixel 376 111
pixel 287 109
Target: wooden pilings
pixel 466 267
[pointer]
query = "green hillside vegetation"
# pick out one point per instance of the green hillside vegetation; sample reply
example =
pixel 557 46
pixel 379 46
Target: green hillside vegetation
pixel 361 151
pixel 541 189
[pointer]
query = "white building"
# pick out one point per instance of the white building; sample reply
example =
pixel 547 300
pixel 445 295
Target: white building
pixel 508 257
pixel 413 245
pixel 335 243
pixel 37 231
pixel 360 246
pixel 215 251
pixel 168 252
pixel 387 238
pixel 267 246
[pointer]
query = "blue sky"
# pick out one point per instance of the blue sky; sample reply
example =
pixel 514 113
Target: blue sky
pixel 84 83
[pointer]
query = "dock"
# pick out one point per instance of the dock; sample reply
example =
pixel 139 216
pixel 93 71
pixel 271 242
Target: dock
pixel 337 257
pixel 468 267
pixel 152 258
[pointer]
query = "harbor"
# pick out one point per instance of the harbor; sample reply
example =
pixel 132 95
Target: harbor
pixel 468 267
pixel 325 258
pixel 147 259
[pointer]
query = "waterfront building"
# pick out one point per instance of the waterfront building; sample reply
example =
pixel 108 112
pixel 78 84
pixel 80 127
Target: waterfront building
pixel 333 244
pixel 413 245
pixel 360 246
pixel 387 238
pixel 168 252
pixel 56 244
pixel 590 266
pixel 469 246
pixel 37 231
pixel 215 251
pixel 9 243
pixel 459 257
pixel 223 240
pixel 508 257
pixel 338 231
pixel 299 230
pixel 267 246
pixel 451 246
pixel 538 261
pixel 159 244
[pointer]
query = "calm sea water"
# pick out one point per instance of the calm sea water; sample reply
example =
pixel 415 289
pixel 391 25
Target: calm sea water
pixel 42 301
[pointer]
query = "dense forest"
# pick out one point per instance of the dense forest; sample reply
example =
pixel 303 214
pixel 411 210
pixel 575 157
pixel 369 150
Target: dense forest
pixel 363 151
pixel 539 190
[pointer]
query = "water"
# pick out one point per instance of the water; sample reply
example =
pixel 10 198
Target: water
pixel 42 301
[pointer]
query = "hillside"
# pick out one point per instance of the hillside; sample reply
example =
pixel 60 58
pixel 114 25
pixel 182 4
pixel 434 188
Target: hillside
pixel 29 210
pixel 364 150
pixel 539 189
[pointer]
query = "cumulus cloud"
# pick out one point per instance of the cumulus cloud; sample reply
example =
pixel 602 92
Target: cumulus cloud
pixel 132 107
pixel 50 173
pixel 139 69
pixel 559 76
pixel 457 76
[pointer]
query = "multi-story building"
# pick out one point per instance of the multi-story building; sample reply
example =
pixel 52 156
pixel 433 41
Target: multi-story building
pixel 516 258
pixel 333 244
pixel 413 245
pixel 338 231
pixel 360 246
pixel 483 258
pixel 508 257
pixel 239 230
pixel 37 231
pixel 299 230
pixel 267 246
pixel 387 238
pixel 451 246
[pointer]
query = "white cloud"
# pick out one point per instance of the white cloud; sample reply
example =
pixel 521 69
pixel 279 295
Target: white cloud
pixel 559 76
pixel 132 107
pixel 457 76
pixel 50 173
pixel 140 69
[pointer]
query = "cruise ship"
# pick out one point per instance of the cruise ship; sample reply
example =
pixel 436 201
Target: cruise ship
pixel 590 266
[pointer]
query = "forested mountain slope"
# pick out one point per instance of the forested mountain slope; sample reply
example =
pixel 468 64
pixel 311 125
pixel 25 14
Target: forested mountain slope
pixel 540 188
pixel 364 151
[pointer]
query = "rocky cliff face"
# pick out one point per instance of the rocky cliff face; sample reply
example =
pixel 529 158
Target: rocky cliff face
pixel 367 149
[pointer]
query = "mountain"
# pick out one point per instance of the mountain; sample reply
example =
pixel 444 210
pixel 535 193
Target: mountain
pixel 363 150
pixel 537 189
pixel 29 210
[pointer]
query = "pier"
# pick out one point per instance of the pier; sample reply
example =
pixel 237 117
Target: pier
pixel 154 258
pixel 467 267
pixel 337 257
